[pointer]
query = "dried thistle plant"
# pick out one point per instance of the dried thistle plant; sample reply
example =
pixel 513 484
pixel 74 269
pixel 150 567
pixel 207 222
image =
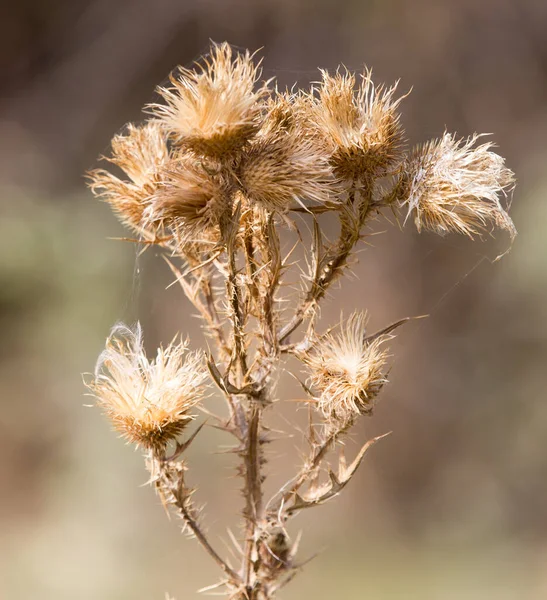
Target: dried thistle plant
pixel 215 177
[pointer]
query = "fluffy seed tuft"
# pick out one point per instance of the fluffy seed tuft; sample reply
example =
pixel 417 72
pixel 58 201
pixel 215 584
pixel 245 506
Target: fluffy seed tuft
pixel 281 168
pixel 215 110
pixel 361 127
pixel 148 401
pixel 453 186
pixel 347 370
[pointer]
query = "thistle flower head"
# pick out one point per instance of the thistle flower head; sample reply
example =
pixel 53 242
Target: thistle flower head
pixel 347 371
pixel 148 401
pixel 282 113
pixel 454 186
pixel 281 168
pixel 141 153
pixel 361 127
pixel 215 109
pixel 191 200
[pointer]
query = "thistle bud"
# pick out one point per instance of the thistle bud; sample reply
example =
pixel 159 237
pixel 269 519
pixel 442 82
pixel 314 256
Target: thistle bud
pixel 275 551
pixel 191 201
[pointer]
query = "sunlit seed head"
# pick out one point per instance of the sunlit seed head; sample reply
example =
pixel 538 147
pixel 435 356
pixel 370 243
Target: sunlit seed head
pixel 454 185
pixel 284 168
pixel 216 108
pixel 141 153
pixel 148 401
pixel 347 371
pixel 191 201
pixel 282 112
pixel 360 126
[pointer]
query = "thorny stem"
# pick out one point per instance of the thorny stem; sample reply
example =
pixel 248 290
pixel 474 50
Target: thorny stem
pixel 213 319
pixel 250 264
pixel 330 265
pixel 247 422
pixel 234 294
pixel 207 309
pixel 210 315
pixel 292 486
pixel 252 458
pixel 251 453
pixel 253 489
pixel 200 536
pixel 179 496
pixel 273 261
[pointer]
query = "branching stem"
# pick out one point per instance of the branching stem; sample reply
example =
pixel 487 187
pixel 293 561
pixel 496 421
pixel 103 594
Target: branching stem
pixel 332 262
pixel 286 493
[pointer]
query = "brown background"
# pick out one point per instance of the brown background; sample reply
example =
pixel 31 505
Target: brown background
pixel 452 505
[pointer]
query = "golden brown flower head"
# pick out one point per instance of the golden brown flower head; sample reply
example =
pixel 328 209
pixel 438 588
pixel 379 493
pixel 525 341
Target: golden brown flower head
pixel 347 371
pixel 216 109
pixel 147 401
pixel 453 186
pixel 281 168
pixel 191 201
pixel 283 113
pixel 361 128
pixel 141 153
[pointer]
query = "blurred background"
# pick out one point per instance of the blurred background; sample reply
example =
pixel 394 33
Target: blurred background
pixel 454 503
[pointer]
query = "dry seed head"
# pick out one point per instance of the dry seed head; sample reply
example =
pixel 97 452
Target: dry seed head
pixel 453 186
pixel 286 167
pixel 215 109
pixel 148 401
pixel 142 154
pixel 347 370
pixel 283 112
pixel 191 201
pixel 361 128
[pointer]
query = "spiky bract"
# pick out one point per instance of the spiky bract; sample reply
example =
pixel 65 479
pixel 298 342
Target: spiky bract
pixel 453 185
pixel 148 401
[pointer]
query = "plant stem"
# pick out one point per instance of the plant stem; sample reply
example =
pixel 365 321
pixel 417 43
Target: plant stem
pixel 253 489
pixel 292 486
pixel 179 496
pixel 239 353
pixel 334 259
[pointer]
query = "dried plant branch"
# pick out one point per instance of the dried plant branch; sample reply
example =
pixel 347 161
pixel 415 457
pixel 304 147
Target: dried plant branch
pixel 213 179
pixel 337 482
pixel 253 490
pixel 233 290
pixel 207 309
pixel 290 489
pixel 169 481
pixel 329 264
